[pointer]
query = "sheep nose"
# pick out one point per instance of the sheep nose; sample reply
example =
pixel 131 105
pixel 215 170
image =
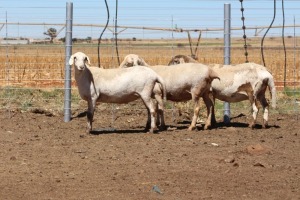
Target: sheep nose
pixel 81 67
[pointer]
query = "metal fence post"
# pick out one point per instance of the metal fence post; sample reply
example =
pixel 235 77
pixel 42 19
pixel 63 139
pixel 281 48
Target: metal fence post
pixel 227 45
pixel 68 46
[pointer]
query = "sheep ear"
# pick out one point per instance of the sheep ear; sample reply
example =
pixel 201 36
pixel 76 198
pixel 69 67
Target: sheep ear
pixel 143 62
pixel 71 60
pixel 88 59
pixel 122 65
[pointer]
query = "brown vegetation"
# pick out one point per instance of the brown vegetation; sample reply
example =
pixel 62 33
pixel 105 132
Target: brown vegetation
pixel 41 65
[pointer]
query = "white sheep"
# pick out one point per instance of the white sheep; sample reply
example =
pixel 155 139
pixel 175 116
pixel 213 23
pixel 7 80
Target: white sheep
pixel 132 60
pixel 115 86
pixel 247 81
pixel 186 82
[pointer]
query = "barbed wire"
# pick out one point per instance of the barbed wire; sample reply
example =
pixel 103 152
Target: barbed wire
pixel 244 30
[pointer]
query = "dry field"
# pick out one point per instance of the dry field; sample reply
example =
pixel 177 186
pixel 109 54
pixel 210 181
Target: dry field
pixel 41 65
pixel 32 76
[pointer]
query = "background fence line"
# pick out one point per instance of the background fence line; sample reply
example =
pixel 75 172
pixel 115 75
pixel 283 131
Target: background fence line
pixel 32 73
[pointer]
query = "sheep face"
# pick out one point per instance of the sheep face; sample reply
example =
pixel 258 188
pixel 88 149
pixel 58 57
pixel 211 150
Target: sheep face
pixel 176 61
pixel 79 60
pixel 132 60
pixel 180 59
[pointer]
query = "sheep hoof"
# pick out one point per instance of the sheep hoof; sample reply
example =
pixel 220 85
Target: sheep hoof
pixel 88 130
pixel 199 125
pixel 206 127
pixel 265 125
pixel 162 128
pixel 153 130
pixel 214 122
pixel 147 127
pixel 252 125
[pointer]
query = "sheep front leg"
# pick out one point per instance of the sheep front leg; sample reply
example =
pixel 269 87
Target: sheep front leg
pixel 209 106
pixel 266 114
pixel 265 106
pixel 254 114
pixel 90 115
pixel 148 124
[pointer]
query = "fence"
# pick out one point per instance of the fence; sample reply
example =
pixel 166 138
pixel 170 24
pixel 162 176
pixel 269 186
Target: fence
pixel 32 72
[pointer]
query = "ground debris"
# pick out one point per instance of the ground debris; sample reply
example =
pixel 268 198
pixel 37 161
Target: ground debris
pixel 258 149
pixel 48 113
pixel 229 159
pixel 259 164
pixel 156 189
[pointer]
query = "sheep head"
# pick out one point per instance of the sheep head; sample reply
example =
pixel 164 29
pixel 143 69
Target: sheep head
pixel 180 59
pixel 79 60
pixel 176 61
pixel 132 60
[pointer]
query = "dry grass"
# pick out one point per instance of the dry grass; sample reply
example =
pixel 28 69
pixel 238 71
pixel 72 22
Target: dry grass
pixel 43 66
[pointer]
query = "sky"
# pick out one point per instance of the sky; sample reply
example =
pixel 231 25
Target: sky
pixel 185 14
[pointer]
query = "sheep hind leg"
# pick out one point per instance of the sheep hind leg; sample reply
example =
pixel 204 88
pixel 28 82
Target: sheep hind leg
pixel 151 113
pixel 196 113
pixel 160 112
pixel 213 114
pixel 148 124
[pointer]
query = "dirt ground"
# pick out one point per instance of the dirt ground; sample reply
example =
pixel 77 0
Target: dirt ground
pixel 43 157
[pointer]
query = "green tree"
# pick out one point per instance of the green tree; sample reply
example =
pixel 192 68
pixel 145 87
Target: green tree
pixel 52 33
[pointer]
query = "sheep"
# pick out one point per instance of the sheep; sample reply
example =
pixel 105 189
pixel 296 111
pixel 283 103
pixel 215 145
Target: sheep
pixel 247 81
pixel 115 86
pixel 132 60
pixel 186 82
pixel 179 59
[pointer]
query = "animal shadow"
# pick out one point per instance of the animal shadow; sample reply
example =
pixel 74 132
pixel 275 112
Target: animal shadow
pixel 111 130
pixel 233 123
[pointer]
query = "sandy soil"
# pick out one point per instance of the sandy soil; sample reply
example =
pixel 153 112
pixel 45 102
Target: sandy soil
pixel 42 157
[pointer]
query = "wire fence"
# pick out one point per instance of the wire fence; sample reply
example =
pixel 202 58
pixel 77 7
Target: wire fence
pixel 32 70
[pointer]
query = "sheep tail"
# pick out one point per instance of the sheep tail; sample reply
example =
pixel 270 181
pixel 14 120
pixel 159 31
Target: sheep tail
pixel 213 75
pixel 163 86
pixel 272 89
